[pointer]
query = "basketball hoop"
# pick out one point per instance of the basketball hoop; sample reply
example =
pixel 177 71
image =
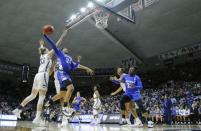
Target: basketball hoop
pixel 101 18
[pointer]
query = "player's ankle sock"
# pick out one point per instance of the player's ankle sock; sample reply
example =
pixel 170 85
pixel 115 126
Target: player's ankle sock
pixel 38 113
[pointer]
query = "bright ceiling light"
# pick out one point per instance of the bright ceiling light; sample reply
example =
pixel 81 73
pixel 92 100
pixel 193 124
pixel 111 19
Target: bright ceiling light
pixel 73 17
pixel 83 10
pixel 101 1
pixel 90 5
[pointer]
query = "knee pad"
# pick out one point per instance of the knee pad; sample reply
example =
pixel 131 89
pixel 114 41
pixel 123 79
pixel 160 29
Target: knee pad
pixel 41 99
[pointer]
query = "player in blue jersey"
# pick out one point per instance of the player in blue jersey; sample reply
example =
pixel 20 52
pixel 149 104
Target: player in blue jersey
pixel 65 66
pixel 132 92
pixel 77 103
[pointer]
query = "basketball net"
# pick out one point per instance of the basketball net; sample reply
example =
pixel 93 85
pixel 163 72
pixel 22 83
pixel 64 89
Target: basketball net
pixel 101 18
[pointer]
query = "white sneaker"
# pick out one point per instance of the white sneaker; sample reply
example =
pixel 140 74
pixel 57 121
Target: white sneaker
pixel 150 124
pixel 138 123
pixel 17 113
pixel 123 122
pixel 64 121
pixel 39 121
pixel 68 111
pixel 128 123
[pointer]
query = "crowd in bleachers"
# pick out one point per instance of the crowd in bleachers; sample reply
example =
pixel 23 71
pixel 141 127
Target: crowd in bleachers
pixel 186 103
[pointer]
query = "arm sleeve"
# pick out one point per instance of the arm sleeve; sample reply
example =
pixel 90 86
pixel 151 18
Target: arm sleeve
pixel 116 82
pixel 52 44
pixel 75 65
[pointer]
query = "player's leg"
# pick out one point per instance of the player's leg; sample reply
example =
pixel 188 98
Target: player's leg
pixel 124 113
pixel 42 94
pixel 132 109
pixel 57 86
pixel 43 85
pixel 68 112
pixel 96 111
pixel 95 116
pixel 59 96
pixel 60 92
pixel 70 89
pixel 125 104
pixel 78 115
pixel 127 110
pixel 34 92
pixel 29 98
pixel 143 113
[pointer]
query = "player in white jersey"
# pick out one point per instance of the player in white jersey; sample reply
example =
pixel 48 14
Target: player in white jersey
pixel 97 106
pixel 40 83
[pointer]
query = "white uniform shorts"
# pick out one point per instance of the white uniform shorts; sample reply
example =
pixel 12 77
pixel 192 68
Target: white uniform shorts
pixel 96 107
pixel 41 80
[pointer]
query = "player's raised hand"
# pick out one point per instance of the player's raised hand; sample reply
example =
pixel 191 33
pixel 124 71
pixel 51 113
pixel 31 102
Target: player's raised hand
pixel 111 78
pixel 79 58
pixel 112 94
pixel 41 42
pixel 90 71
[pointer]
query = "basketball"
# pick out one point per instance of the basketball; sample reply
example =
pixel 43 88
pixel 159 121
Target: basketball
pixel 48 29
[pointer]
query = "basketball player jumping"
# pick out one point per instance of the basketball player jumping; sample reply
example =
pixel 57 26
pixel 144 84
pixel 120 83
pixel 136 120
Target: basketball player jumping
pixel 65 65
pixel 40 83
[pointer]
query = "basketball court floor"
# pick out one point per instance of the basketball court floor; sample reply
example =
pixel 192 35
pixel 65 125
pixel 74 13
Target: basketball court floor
pixel 28 126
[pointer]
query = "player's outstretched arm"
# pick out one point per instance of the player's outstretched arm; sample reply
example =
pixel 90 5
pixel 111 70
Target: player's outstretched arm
pixel 51 53
pixel 89 71
pixel 117 91
pixel 78 65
